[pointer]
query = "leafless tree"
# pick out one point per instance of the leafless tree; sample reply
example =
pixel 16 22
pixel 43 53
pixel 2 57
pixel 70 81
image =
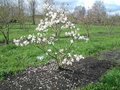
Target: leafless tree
pixel 97 13
pixel 50 2
pixel 5 19
pixel 20 15
pixel 32 7
pixel 109 23
pixel 79 13
pixel 87 25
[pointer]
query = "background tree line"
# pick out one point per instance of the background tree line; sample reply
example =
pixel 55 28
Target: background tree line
pixel 27 12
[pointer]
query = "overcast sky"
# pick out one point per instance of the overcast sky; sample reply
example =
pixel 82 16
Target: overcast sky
pixel 112 6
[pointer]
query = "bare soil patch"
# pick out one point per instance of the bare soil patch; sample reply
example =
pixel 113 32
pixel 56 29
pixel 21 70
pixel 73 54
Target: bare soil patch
pixel 49 77
pixel 113 56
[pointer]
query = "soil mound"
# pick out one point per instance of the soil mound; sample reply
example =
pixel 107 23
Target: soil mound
pixel 49 77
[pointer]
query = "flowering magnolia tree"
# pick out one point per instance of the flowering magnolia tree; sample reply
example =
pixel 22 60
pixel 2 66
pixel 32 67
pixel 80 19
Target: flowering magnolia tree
pixel 55 37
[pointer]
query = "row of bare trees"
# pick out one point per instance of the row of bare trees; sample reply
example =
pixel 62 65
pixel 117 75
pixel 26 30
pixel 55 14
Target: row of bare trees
pixel 26 11
pixel 97 15
pixel 5 14
pixel 19 12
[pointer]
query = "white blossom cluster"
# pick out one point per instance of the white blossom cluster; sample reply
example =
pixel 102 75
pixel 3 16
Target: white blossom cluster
pixel 59 17
pixel 39 39
pixel 76 35
pixel 67 59
pixel 53 18
pixel 48 32
pixel 72 58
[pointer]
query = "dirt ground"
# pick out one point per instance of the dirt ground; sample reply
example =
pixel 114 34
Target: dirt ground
pixel 113 56
pixel 49 77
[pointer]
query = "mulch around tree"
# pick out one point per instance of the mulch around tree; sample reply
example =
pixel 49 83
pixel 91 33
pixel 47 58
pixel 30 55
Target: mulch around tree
pixel 49 77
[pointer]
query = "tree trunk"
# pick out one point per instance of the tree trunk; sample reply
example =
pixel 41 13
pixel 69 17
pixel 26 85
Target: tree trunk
pixel 33 13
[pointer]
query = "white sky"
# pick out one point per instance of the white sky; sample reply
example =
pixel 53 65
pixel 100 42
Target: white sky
pixel 110 4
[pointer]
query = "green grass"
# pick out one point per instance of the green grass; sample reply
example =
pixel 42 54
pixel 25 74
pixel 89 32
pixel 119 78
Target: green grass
pixel 16 31
pixel 15 59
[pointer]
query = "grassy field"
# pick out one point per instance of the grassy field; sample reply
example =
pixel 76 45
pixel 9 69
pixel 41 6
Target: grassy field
pixel 15 59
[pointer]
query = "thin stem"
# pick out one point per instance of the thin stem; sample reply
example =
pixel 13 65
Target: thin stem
pixel 45 52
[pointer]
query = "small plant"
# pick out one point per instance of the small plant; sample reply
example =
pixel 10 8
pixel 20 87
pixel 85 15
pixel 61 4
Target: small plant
pixel 50 32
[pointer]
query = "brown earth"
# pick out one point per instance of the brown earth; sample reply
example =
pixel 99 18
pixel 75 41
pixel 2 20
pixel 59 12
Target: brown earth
pixel 49 77
pixel 113 55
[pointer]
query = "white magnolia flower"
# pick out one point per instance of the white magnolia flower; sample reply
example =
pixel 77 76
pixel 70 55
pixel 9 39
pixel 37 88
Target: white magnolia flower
pixel 72 60
pixel 77 59
pixel 71 41
pixel 81 57
pixel 69 55
pixel 68 63
pixel 21 44
pixel 29 36
pixel 53 43
pixel 61 50
pixel 64 61
pixel 44 39
pixel 78 29
pixel 40 57
pixel 49 50
pixel 17 44
pixel 46 53
pixel 66 33
pixel 25 43
pixel 49 42
pixel 55 53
